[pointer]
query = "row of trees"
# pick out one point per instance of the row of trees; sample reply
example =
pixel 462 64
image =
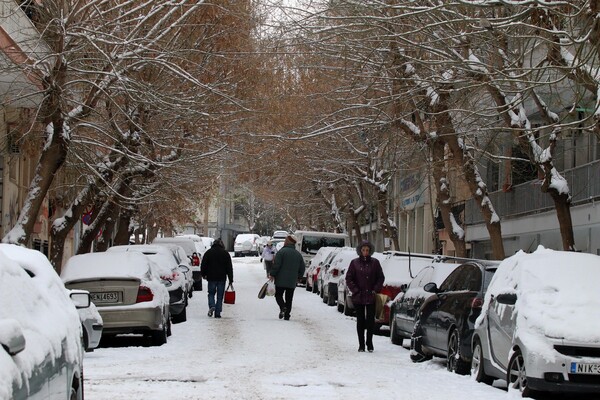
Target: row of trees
pixel 136 96
pixel 379 88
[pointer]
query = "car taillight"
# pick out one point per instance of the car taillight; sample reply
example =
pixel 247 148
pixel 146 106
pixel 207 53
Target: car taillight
pixel 144 294
pixel 335 272
pixel 196 262
pixel 477 302
pixel 390 291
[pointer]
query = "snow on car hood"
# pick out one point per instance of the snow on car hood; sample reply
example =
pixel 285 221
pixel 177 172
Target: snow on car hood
pixel 43 309
pixel 557 294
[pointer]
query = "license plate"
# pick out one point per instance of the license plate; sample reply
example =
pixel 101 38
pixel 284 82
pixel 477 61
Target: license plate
pixel 578 368
pixel 105 297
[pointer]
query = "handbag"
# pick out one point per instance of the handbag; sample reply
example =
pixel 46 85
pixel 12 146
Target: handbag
pixel 229 297
pixel 263 290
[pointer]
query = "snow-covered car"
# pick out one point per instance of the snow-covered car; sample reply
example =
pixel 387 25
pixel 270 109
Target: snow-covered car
pixel 91 322
pixel 344 297
pixel 167 263
pixel 403 309
pixel 334 272
pixel 246 244
pixel 313 267
pixel 446 320
pixel 399 269
pixel 191 246
pixel 320 271
pixel 279 235
pixel 540 325
pixel 41 348
pixel 127 290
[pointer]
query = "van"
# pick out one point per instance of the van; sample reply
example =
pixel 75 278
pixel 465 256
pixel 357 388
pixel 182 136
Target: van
pixel 309 243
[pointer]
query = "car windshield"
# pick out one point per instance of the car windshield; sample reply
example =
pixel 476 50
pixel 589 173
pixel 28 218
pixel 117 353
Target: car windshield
pixel 312 244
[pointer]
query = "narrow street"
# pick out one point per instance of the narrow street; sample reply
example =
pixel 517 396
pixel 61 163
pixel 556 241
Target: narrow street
pixel 251 354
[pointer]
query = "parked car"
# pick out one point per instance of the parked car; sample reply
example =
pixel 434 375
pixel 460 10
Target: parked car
pixel 445 321
pixel 321 271
pixel 344 297
pixel 91 322
pixel 167 262
pixel 312 269
pixel 403 309
pixel 334 272
pixel 539 329
pixel 279 235
pixel 399 269
pixel 40 331
pixel 191 247
pixel 127 290
pixel 246 244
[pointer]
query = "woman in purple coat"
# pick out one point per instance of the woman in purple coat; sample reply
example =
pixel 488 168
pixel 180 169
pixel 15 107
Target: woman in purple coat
pixel 364 279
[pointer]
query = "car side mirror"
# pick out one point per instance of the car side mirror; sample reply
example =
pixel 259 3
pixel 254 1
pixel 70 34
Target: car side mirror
pixel 81 298
pixel 507 298
pixel 166 283
pixel 184 268
pixel 431 287
pixel 11 336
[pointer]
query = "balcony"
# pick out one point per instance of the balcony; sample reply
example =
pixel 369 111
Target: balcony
pixel 527 198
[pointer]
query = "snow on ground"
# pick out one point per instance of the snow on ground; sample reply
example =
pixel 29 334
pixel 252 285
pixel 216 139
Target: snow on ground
pixel 251 354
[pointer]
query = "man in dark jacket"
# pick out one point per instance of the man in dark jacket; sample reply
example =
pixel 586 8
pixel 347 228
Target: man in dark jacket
pixel 216 266
pixel 287 268
pixel 364 279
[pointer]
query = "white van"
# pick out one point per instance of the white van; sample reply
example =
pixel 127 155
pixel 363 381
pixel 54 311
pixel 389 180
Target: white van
pixel 309 243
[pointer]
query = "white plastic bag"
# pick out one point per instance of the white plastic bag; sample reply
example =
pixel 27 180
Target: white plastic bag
pixel 271 288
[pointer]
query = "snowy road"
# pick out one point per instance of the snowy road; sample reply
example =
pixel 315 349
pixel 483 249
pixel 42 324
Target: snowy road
pixel 251 354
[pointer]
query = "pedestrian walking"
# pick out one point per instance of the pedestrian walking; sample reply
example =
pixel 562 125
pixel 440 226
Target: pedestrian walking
pixel 288 268
pixel 268 255
pixel 216 267
pixel 364 279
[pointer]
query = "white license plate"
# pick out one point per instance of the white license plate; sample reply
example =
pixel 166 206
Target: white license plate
pixel 105 297
pixel 579 368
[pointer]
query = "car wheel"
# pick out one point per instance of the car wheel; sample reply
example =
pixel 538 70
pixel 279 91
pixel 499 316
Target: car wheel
pixel 477 369
pixel 347 310
pixel 308 288
pixel 394 337
pixel 86 341
pixel 73 395
pixel 517 375
pixel 416 351
pixel 191 292
pixel 330 298
pixel 455 361
pixel 340 307
pixel 159 337
pixel 315 289
pixel 181 317
pixel 169 327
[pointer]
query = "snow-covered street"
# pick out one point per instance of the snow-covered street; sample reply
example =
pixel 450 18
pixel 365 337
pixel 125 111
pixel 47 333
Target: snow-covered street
pixel 251 354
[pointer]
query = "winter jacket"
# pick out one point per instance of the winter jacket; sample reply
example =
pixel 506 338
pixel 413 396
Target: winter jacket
pixel 288 267
pixel 216 264
pixel 364 277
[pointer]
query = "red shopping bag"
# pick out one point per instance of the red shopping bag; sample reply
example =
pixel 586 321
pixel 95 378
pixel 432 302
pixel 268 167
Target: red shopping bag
pixel 229 297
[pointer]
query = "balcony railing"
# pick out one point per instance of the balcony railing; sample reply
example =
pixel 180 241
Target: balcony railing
pixel 527 198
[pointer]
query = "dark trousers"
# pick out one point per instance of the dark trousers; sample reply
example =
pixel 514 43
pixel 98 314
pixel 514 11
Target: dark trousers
pixel 365 318
pixel 289 296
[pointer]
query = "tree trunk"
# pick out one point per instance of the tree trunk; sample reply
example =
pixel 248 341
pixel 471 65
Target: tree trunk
pixel 389 228
pixel 90 234
pixel 109 227
pixel 124 229
pixel 466 162
pixel 443 199
pixel 52 158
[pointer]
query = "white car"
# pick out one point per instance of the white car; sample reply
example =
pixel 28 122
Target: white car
pixel 41 348
pixel 127 289
pixel 539 328
pixel 246 244
pixel 91 322
pixel 169 269
pixel 314 265
pixel 334 272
